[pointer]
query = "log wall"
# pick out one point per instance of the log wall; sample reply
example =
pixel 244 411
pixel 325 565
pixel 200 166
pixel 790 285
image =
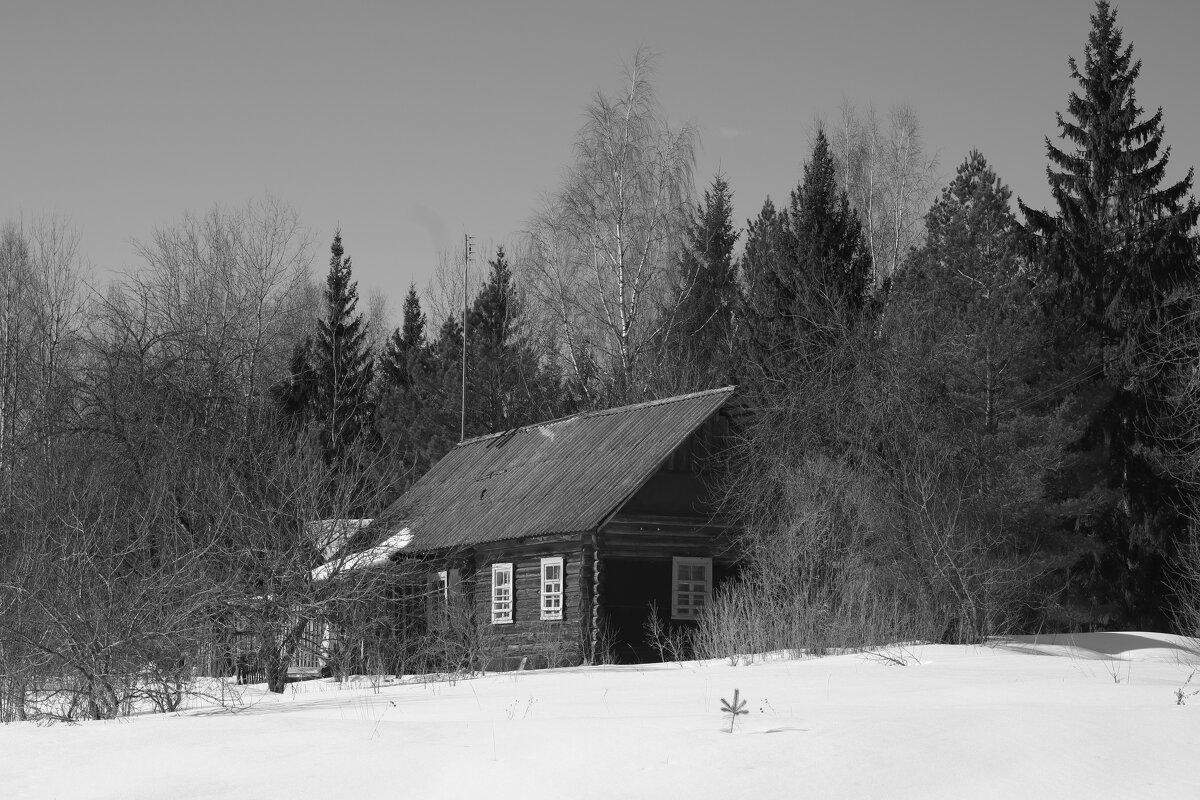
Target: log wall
pixel 642 536
pixel 539 642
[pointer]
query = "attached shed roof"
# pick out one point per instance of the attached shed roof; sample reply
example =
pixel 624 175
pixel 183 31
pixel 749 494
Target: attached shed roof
pixel 563 476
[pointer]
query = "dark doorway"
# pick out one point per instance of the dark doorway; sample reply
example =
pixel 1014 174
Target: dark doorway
pixel 629 587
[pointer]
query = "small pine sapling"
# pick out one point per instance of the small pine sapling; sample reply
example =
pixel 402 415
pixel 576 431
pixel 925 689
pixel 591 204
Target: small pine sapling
pixel 1182 693
pixel 734 709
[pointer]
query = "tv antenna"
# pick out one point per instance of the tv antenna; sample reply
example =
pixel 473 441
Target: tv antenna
pixel 468 250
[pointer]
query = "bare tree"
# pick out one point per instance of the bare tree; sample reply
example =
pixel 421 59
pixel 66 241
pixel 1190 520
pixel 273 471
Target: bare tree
pixel 16 334
pixel 41 276
pixel 889 178
pixel 163 522
pixel 602 251
pixel 1177 367
pixel 446 289
pixel 59 274
pixel 226 295
pixel 379 319
pixel 103 600
pixel 271 492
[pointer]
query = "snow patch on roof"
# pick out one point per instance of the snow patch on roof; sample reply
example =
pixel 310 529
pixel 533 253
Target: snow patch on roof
pixel 331 535
pixel 365 559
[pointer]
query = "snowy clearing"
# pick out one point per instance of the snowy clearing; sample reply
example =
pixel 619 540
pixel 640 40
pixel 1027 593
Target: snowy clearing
pixel 1048 717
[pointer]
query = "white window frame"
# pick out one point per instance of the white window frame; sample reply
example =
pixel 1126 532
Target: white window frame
pixel 441 587
pixel 685 594
pixel 552 588
pixel 503 594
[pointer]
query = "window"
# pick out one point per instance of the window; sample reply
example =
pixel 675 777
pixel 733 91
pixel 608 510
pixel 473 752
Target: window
pixel 502 593
pixel 552 587
pixel 691 586
pixel 440 587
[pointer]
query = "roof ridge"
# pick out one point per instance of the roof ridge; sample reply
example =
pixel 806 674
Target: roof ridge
pixel 600 412
pixel 481 437
pixel 661 401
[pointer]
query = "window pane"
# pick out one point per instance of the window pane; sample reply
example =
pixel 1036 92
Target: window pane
pixel 690 586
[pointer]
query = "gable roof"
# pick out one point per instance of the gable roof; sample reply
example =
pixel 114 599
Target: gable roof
pixel 563 476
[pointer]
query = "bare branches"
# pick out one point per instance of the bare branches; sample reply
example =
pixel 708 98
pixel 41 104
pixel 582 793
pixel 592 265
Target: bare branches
pixel 602 251
pixel 226 295
pixel 889 178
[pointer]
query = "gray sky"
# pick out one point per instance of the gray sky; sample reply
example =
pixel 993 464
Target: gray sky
pixel 411 123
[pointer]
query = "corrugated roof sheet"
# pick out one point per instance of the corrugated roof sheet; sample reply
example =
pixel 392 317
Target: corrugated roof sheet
pixel 563 476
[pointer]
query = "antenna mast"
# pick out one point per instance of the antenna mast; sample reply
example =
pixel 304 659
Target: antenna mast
pixel 467 249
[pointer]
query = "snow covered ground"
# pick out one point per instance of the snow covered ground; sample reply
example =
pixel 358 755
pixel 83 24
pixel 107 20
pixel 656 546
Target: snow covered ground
pixel 1057 717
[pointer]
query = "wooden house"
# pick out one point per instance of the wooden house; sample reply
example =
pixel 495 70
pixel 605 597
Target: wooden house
pixel 558 536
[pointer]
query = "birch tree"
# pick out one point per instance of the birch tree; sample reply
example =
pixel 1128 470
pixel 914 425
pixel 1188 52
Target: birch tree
pixel 889 178
pixel 602 251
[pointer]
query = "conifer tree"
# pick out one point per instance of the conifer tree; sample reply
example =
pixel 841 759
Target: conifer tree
pixel 413 324
pixel 697 351
pixel 493 371
pixel 294 395
pixel 1119 243
pixel 806 272
pixel 447 347
pixel 342 360
pixel 827 239
pixel 494 313
pixel 507 386
pixel 1119 250
pixel 436 426
pixel 405 349
pixel 965 296
pixel 761 269
pixel 417 415
pixel 960 415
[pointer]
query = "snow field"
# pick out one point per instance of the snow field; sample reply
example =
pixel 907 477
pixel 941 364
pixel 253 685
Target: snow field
pixel 1055 717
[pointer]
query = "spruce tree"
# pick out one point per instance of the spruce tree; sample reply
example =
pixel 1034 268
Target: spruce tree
pixel 806 272
pixel 404 351
pixel 1119 251
pixel 342 360
pixel 434 428
pixel 761 269
pixel 413 324
pixel 492 368
pixel 962 345
pixel 294 395
pixel 964 299
pixel 495 310
pixel 697 351
pixel 447 347
pixel 1119 243
pixel 506 385
pixel 828 240
pixel 416 412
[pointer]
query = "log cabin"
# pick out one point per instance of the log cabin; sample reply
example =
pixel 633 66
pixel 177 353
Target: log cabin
pixel 558 536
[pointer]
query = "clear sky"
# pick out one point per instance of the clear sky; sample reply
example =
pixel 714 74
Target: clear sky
pixel 411 123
